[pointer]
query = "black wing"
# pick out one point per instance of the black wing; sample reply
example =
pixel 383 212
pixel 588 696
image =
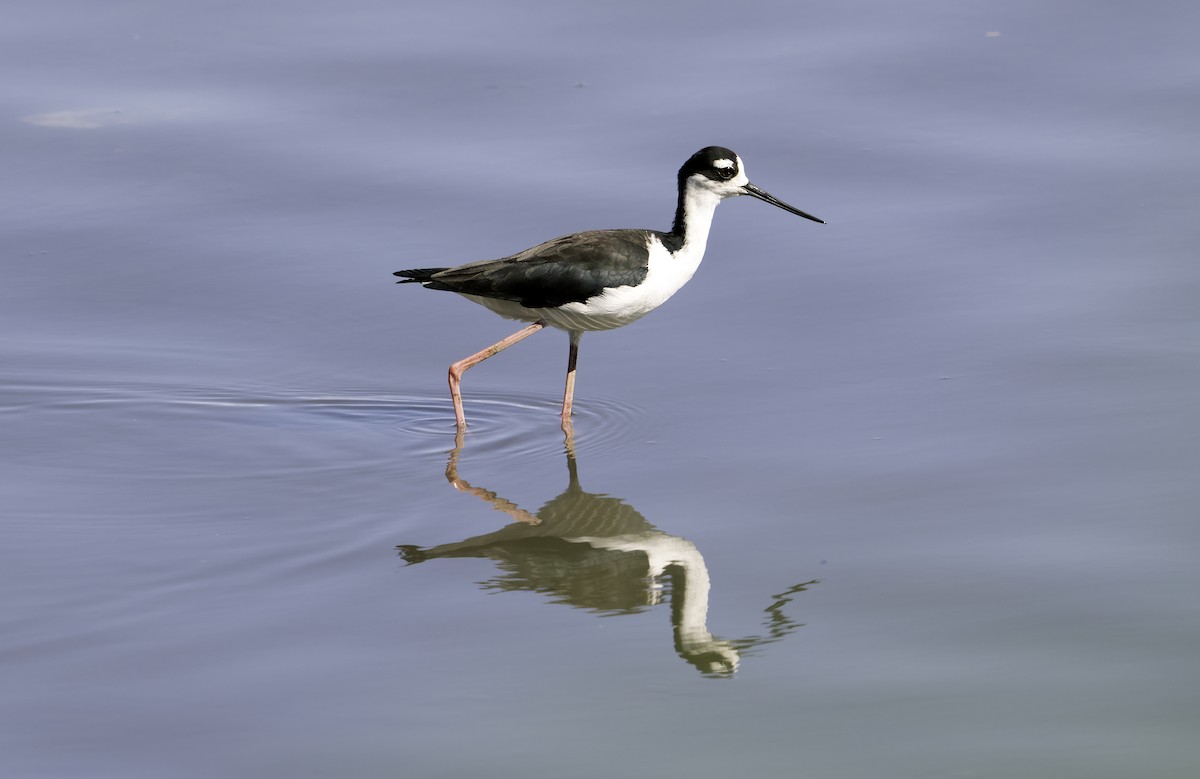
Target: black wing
pixel 417 275
pixel 570 269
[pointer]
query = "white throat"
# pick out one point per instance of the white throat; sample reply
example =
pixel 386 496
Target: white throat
pixel 699 205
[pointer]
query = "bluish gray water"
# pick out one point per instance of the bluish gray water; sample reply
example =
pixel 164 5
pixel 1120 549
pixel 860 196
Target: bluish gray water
pixel 910 494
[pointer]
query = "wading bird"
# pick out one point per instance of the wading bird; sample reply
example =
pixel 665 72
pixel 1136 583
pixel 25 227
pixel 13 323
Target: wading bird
pixel 600 279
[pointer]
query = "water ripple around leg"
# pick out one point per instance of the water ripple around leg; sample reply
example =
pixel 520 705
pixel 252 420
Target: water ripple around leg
pixel 356 426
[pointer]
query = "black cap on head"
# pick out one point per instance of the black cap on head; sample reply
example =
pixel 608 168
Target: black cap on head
pixel 715 162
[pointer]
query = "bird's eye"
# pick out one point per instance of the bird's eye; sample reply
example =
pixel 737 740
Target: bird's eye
pixel 725 173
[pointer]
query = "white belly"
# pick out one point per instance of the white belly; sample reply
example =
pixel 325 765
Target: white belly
pixel 615 307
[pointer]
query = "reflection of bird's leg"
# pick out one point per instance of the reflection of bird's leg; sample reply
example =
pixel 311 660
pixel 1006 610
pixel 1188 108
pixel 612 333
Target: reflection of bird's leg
pixel 452 464
pixel 569 446
pixel 462 366
pixel 497 502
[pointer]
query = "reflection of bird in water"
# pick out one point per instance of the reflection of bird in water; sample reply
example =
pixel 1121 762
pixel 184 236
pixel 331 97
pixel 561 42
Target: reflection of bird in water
pixel 592 551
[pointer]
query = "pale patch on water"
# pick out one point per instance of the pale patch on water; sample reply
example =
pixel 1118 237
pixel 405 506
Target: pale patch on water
pixel 80 119
pixel 96 118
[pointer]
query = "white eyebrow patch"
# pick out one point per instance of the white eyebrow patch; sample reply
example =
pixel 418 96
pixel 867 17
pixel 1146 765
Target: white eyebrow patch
pixel 723 163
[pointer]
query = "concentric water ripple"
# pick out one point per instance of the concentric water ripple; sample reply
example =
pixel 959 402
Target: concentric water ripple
pixel 515 423
pixel 266 433
pixel 527 424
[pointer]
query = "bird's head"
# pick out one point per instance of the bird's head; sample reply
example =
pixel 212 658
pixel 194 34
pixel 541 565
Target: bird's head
pixel 719 171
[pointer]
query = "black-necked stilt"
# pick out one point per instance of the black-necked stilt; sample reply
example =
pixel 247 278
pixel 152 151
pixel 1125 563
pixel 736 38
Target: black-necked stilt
pixel 600 279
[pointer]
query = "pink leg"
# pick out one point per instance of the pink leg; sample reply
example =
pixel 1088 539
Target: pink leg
pixel 569 394
pixel 459 368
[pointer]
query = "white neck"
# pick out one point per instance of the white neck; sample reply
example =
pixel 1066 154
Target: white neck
pixel 699 205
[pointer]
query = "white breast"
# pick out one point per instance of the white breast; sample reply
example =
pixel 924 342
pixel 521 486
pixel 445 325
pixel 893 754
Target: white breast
pixel 618 306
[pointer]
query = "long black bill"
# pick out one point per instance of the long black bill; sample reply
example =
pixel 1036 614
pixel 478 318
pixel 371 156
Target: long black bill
pixel 767 197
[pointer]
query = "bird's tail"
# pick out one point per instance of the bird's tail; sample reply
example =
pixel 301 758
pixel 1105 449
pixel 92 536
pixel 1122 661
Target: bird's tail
pixel 416 275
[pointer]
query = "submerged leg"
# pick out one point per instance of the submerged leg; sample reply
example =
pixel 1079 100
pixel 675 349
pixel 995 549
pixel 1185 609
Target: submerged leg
pixel 569 394
pixel 459 368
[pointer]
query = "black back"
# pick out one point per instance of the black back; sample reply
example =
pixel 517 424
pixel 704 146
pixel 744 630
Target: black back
pixel 569 269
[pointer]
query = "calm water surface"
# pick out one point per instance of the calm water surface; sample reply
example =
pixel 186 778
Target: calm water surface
pixel 911 494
